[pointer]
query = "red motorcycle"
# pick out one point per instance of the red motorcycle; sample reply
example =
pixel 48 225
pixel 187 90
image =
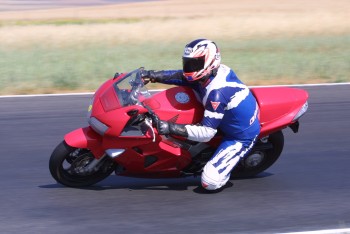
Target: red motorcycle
pixel 121 138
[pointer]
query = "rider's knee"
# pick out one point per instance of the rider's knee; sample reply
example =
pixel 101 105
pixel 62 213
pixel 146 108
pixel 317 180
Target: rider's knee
pixel 211 178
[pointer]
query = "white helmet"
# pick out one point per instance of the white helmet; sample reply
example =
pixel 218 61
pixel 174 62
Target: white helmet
pixel 200 57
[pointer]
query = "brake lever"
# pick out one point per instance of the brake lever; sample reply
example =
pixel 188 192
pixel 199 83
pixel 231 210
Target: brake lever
pixel 149 124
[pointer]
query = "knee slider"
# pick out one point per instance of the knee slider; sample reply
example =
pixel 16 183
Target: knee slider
pixel 211 179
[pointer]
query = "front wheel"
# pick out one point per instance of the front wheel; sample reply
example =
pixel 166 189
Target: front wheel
pixel 262 156
pixel 68 166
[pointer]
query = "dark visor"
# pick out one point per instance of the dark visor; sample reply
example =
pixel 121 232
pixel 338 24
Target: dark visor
pixel 193 64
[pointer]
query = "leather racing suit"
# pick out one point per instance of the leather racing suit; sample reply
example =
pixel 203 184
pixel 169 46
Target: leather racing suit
pixel 229 106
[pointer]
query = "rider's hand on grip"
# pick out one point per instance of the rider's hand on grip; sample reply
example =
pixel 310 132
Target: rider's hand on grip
pixel 148 76
pixel 155 119
pixel 145 80
pixel 163 127
pixel 145 73
pixel 160 125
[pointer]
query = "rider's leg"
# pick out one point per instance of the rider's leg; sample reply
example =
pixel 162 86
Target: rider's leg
pixel 218 169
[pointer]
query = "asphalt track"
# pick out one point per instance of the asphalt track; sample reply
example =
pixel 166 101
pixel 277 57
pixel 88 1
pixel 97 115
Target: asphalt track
pixel 307 189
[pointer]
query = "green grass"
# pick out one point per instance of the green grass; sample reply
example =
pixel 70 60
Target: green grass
pixel 45 69
pixel 291 60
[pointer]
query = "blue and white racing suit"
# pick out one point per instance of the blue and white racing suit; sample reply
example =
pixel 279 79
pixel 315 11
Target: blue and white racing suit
pixel 232 108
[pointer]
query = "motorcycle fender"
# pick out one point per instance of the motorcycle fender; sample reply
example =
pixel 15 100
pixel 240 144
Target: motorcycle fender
pixel 85 138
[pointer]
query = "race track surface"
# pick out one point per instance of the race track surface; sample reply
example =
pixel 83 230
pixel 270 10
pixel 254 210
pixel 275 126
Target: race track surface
pixel 307 189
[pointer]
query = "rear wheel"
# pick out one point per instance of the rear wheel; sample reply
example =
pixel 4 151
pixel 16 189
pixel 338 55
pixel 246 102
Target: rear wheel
pixel 263 155
pixel 73 166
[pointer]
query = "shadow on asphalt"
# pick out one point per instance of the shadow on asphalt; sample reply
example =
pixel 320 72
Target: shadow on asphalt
pixel 175 184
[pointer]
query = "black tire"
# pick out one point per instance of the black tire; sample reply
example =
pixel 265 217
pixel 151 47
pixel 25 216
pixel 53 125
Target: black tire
pixel 265 157
pixel 64 162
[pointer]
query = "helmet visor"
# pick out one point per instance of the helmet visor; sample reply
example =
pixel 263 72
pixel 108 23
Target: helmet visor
pixel 193 64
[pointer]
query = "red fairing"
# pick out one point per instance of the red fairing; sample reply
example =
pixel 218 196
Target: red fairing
pixel 278 106
pixel 109 100
pixel 107 108
pixel 167 163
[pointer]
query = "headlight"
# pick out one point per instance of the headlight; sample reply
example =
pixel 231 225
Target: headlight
pixel 302 111
pixel 98 126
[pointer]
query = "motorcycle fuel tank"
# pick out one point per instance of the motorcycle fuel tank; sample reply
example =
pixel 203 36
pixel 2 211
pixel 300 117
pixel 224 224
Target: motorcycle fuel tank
pixel 178 105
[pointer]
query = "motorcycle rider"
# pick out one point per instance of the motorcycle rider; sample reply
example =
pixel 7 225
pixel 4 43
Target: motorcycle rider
pixel 229 106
